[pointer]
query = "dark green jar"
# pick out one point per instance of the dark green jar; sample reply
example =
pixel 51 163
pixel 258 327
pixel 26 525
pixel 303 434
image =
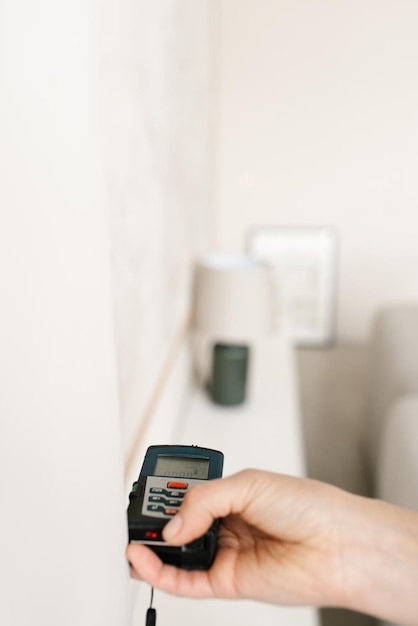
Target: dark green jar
pixel 229 374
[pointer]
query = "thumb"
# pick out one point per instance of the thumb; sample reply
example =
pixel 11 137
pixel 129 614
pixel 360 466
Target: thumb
pixel 207 502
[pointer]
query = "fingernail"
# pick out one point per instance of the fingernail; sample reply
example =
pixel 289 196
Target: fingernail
pixel 173 527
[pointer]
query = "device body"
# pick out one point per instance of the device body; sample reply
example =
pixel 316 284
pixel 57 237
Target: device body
pixel 167 473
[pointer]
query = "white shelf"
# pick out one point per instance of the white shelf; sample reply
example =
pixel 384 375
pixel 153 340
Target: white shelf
pixel 264 432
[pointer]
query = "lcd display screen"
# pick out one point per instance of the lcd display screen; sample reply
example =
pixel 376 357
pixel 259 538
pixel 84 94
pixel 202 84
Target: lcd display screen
pixel 181 467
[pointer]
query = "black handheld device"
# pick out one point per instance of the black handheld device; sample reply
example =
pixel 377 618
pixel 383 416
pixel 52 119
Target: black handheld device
pixel 167 473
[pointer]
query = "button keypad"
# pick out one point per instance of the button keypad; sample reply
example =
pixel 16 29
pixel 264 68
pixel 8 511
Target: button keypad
pixel 163 497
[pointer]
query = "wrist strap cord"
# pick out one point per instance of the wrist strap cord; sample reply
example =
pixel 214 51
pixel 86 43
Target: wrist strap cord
pixel 151 619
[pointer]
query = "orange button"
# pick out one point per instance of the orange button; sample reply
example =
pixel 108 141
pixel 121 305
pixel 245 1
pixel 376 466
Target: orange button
pixel 171 511
pixel 174 485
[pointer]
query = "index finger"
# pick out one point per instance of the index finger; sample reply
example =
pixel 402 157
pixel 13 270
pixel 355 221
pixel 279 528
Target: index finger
pixel 146 566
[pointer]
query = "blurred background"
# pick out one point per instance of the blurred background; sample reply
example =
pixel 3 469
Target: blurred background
pixel 198 120
pixel 224 115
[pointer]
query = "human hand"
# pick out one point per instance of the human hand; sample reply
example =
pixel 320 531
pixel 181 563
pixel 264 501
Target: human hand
pixel 273 540
pixel 292 541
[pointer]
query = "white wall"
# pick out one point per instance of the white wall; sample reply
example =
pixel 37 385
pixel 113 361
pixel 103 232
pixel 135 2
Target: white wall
pixel 63 520
pixel 103 207
pixel 316 117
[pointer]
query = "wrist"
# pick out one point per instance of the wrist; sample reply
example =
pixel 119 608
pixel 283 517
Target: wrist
pixel 380 556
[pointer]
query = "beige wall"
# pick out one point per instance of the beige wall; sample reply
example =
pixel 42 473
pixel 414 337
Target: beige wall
pixel 316 116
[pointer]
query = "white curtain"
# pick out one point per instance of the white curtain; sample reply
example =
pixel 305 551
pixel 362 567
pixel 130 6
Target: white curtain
pixel 62 521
